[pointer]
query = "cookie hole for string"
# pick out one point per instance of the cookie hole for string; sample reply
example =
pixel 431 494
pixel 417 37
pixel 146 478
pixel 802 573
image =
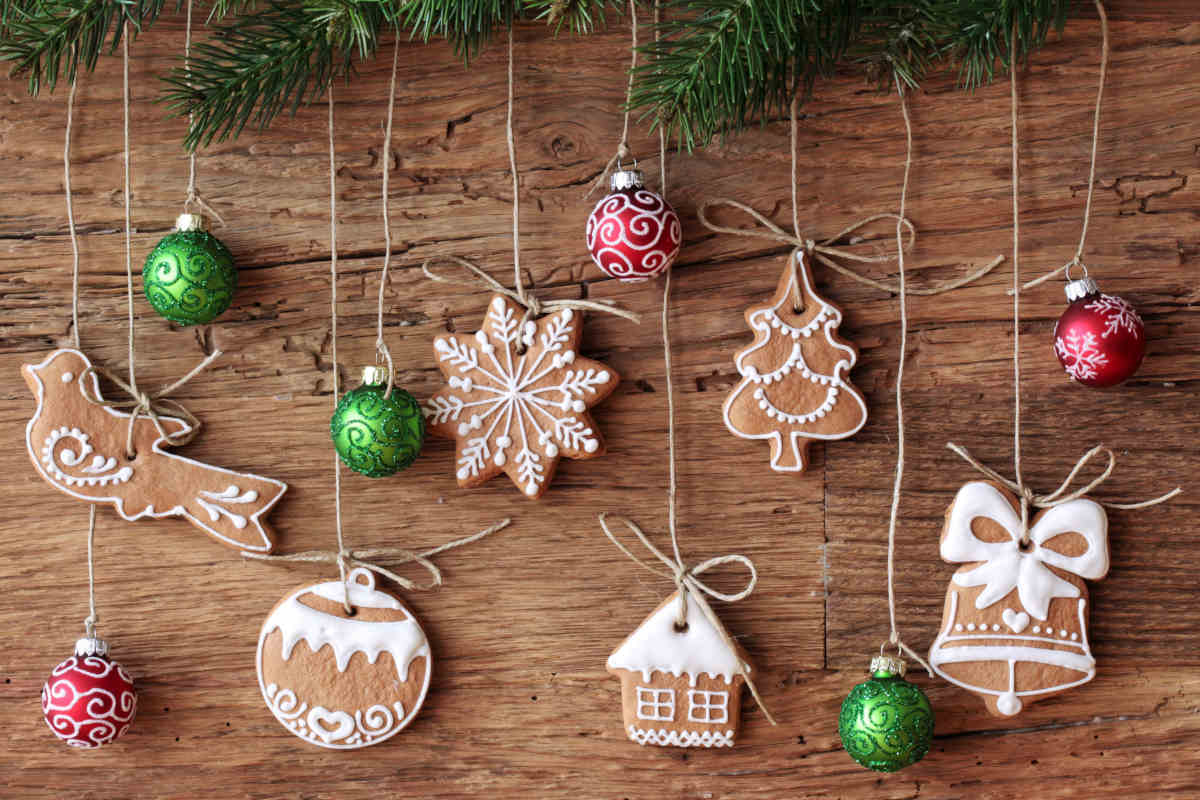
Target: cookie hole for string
pixel 680 627
pixel 352 611
pixel 1025 545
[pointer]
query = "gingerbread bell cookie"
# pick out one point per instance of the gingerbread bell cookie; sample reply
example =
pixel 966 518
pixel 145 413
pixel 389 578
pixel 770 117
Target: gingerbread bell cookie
pixel 517 397
pixel 80 446
pixel 1014 627
pixel 339 680
pixel 795 385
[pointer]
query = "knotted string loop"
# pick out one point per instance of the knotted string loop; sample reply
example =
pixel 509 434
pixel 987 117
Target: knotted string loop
pixel 152 405
pixel 686 580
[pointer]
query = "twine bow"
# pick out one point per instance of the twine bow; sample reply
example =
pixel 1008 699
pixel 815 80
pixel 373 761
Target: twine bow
pixel 347 559
pixel 1060 495
pixel 686 580
pixel 533 307
pixel 825 252
pixel 152 405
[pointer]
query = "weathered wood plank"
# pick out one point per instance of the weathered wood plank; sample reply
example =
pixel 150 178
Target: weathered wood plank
pixel 520 704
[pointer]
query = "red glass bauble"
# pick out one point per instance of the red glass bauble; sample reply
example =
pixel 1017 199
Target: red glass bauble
pixel 89 699
pixel 633 234
pixel 1100 340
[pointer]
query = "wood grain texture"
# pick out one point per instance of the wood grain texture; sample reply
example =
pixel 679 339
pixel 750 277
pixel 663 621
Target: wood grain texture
pixel 520 704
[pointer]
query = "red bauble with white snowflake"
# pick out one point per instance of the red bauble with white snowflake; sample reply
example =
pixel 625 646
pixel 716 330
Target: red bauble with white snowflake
pixel 89 699
pixel 633 233
pixel 1100 339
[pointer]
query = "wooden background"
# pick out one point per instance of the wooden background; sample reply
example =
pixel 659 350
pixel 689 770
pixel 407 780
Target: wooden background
pixel 520 704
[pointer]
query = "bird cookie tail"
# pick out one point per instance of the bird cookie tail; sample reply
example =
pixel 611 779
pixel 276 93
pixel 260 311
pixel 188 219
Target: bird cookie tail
pixel 231 506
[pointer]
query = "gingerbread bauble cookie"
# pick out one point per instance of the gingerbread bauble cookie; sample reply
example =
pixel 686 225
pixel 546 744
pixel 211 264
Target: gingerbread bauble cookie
pixel 1014 628
pixel 681 686
pixel 343 681
pixel 517 397
pixel 795 383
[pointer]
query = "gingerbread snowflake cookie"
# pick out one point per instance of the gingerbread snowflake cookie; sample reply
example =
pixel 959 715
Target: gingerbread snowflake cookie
pixel 1014 627
pixel 343 681
pixel 517 397
pixel 795 385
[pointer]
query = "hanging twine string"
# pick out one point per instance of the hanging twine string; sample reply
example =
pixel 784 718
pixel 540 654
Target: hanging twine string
pixel 1028 498
pixel 193 195
pixel 623 146
pixel 381 349
pixel 823 250
pixel 520 294
pixel 1077 259
pixel 345 558
pixel 534 307
pixel 897 483
pixel 686 578
pixel 349 559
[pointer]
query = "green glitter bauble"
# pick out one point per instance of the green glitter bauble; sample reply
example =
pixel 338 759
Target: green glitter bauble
pixel 189 277
pixel 374 435
pixel 886 723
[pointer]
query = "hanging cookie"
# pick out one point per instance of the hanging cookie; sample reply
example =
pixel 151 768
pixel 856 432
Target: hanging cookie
pixel 80 447
pixel 343 681
pixel 795 383
pixel 681 685
pixel 517 396
pixel 1014 626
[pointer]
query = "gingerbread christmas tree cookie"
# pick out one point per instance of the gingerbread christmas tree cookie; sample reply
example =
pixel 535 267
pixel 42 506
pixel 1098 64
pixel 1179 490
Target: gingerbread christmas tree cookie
pixel 795 385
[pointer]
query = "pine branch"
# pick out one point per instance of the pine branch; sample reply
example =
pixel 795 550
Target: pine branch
pixel 272 61
pixel 576 16
pixel 47 40
pixel 467 24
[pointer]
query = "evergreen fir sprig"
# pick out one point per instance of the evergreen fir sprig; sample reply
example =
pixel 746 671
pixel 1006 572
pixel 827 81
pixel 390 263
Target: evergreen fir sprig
pixel 274 60
pixel 49 40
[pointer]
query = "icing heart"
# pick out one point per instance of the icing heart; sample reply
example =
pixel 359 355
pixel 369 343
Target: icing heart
pixel 330 725
pixel 1014 620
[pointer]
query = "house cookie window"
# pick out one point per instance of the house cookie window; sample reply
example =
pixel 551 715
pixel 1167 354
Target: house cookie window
pixel 656 704
pixel 708 706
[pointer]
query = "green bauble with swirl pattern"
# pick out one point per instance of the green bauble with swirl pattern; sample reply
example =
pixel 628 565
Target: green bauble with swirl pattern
pixel 376 435
pixel 189 277
pixel 886 723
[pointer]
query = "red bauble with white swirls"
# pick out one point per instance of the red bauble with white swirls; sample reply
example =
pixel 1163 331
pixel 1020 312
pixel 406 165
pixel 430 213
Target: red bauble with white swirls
pixel 633 233
pixel 1100 340
pixel 89 699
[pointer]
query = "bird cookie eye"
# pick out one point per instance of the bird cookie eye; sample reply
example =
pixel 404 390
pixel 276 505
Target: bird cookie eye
pixel 67 377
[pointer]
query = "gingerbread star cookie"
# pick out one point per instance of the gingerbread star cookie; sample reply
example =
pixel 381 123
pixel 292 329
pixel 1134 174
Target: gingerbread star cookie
pixel 517 396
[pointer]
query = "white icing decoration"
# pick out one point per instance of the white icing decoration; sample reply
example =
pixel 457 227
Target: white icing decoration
pixel 657 646
pixel 518 407
pixel 1005 566
pixel 404 640
pixel 1016 621
pixel 67 377
pixel 101 472
pixel 73 485
pixel 828 319
pixel 1079 658
pixel 673 738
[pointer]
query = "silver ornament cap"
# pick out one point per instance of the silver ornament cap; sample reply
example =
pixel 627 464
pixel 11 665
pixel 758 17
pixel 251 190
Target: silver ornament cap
pixel 91 646
pixel 191 222
pixel 892 664
pixel 1080 288
pixel 374 375
pixel 627 179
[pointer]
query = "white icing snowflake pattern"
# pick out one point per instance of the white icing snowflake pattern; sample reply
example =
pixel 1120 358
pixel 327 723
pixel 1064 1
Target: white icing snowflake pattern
pixel 1080 355
pixel 526 392
pixel 1118 315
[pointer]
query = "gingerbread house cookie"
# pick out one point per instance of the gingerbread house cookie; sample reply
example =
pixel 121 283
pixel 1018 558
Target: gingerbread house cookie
pixel 680 686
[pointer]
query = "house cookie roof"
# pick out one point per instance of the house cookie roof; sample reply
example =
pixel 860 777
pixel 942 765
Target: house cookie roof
pixel 656 645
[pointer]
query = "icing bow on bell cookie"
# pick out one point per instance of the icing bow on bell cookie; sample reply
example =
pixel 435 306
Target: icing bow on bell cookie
pixel 1010 564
